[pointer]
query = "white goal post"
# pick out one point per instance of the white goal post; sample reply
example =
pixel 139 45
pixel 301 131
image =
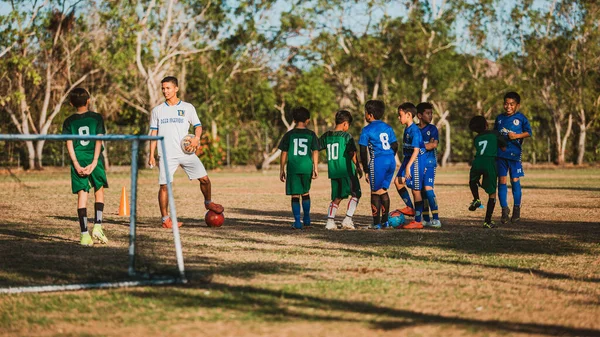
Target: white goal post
pixel 135 141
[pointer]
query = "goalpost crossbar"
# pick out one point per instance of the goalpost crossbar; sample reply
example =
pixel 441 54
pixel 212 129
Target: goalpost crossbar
pixel 135 140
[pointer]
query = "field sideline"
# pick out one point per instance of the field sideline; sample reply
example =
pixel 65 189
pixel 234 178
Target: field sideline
pixel 255 276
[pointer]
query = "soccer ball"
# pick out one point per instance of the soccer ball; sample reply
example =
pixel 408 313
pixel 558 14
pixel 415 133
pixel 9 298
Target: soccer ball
pixel 186 144
pixel 213 219
pixel 396 219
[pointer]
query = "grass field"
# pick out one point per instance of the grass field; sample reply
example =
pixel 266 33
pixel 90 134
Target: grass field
pixel 255 276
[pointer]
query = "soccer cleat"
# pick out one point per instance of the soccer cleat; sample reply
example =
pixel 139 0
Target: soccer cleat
pixel 490 224
pixel 86 240
pixel 407 211
pixel 516 214
pixel 98 234
pixel 169 223
pixel 385 225
pixel 435 223
pixel 426 223
pixel 306 223
pixel 297 225
pixel 375 226
pixel 214 207
pixel 330 224
pixel 413 225
pixel 505 214
pixel 475 204
pixel 348 223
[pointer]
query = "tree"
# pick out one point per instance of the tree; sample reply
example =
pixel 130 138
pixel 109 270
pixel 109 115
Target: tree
pixel 41 66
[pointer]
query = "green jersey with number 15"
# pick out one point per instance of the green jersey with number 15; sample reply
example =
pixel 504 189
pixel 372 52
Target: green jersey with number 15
pixel 299 144
pixel 340 147
pixel 487 143
pixel 85 124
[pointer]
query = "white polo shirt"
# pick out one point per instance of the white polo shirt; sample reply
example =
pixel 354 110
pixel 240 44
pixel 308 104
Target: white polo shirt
pixel 173 122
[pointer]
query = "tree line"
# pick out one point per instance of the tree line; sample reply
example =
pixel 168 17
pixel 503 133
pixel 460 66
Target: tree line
pixel 245 64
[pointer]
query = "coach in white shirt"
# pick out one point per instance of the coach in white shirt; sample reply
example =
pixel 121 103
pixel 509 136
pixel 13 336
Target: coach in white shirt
pixel 172 120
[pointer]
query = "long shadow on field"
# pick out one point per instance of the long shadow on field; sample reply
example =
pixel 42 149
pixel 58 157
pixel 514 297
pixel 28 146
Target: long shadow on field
pixel 532 187
pixel 528 237
pixel 32 257
pixel 540 238
pixel 284 305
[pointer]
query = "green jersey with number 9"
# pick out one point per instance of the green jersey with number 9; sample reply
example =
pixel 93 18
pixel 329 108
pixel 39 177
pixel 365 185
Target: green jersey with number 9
pixel 299 144
pixel 85 124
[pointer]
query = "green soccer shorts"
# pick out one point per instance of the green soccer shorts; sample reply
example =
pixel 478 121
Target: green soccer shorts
pixel 341 188
pixel 486 168
pixel 96 179
pixel 297 184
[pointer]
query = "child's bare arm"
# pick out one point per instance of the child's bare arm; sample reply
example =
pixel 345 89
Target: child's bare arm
pixel 431 145
pixel 364 159
pixel 282 163
pixel 76 165
pixel 357 165
pixel 315 158
pixel 412 159
pixel 97 150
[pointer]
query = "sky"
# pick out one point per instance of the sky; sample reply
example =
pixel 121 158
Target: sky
pixel 356 20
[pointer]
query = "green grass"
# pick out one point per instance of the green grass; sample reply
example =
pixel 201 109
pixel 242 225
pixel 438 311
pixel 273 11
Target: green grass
pixel 255 276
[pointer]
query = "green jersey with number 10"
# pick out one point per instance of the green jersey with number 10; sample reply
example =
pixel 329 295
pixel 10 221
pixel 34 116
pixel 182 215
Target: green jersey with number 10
pixel 340 147
pixel 299 144
pixel 88 123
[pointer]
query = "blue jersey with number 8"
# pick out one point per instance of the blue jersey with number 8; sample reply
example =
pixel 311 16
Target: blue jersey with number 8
pixel 378 137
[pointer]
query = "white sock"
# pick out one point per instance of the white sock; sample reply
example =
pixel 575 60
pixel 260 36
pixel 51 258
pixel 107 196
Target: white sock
pixel 352 204
pixel 332 210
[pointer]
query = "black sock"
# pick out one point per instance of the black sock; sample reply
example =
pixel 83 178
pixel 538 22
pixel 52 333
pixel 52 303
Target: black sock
pixel 376 208
pixel 98 209
pixel 385 206
pixel 418 210
pixel 474 189
pixel 82 215
pixel 490 209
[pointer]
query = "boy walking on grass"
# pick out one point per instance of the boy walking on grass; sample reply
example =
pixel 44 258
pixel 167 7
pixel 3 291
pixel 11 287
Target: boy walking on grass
pixel 342 167
pixel 486 143
pixel 379 165
pixel 298 166
pixel 87 163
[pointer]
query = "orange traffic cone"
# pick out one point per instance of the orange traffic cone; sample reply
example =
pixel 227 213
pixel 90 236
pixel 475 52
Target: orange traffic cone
pixel 123 207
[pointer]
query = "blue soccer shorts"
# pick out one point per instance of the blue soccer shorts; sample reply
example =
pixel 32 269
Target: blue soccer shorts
pixel 429 176
pixel 415 182
pixel 506 166
pixel 381 172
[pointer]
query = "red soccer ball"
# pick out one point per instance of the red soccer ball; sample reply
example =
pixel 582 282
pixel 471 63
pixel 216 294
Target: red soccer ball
pixel 213 219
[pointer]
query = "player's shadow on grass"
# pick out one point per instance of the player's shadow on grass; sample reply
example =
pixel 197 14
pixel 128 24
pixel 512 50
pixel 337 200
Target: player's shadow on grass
pixel 29 258
pixel 539 237
pixel 532 187
pixel 108 220
pixel 288 306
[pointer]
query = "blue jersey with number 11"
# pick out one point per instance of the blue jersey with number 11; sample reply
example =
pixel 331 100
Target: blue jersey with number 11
pixel 378 137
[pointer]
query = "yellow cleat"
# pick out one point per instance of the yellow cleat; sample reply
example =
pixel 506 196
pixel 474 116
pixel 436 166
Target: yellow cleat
pixel 98 234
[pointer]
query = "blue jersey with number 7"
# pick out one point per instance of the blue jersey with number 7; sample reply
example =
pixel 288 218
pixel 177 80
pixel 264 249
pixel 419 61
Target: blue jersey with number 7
pixel 378 137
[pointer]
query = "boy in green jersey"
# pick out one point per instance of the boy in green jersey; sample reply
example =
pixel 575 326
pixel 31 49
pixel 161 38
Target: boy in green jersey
pixel 342 167
pixel 87 163
pixel 299 157
pixel 486 145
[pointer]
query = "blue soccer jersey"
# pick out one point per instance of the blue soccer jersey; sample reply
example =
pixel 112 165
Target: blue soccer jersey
pixel 412 139
pixel 378 137
pixel 516 123
pixel 430 132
